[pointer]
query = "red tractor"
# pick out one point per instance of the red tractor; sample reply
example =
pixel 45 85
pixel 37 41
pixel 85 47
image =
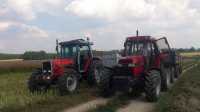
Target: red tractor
pixel 147 65
pixel 75 62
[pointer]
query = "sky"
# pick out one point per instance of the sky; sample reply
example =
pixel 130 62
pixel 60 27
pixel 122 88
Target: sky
pixel 32 25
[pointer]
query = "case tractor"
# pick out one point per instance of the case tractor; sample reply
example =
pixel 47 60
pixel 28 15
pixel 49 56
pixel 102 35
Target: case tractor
pixel 147 65
pixel 75 62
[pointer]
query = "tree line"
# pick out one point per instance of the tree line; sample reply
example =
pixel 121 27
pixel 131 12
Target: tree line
pixel 42 55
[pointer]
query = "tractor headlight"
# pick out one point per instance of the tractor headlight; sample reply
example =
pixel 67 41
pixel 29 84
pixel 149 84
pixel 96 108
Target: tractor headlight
pixel 131 65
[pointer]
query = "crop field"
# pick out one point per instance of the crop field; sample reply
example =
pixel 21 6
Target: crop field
pixel 18 65
pixel 190 54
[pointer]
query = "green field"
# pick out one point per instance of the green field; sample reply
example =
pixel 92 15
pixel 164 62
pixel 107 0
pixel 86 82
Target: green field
pixel 15 97
pixel 184 95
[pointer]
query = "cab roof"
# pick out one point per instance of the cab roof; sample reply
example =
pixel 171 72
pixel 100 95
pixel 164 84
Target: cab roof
pixel 140 38
pixel 75 42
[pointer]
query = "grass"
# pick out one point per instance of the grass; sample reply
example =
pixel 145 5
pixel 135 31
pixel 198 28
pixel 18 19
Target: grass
pixel 188 62
pixel 15 97
pixel 184 95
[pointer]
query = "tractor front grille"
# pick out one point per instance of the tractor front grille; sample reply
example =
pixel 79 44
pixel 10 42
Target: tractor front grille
pixel 46 66
pixel 123 71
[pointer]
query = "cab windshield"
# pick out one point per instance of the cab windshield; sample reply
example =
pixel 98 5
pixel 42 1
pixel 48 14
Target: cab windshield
pixel 68 51
pixel 134 47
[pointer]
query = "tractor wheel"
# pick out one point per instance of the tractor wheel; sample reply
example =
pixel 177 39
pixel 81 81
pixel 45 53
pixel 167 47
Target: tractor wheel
pixel 69 82
pixel 95 72
pixel 177 71
pixel 152 85
pixel 166 78
pixel 172 75
pixel 104 87
pixel 34 83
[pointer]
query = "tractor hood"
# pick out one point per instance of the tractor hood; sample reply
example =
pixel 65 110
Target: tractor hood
pixel 132 60
pixel 58 65
pixel 135 64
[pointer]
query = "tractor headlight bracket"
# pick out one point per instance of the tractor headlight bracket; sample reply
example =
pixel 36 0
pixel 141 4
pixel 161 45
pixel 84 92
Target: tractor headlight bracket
pixel 131 65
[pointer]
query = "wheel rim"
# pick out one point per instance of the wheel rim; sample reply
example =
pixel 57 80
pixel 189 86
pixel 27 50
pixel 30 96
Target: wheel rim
pixel 168 78
pixel 97 75
pixel 158 88
pixel 71 83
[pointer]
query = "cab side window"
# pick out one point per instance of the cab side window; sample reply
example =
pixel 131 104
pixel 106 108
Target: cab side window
pixel 84 51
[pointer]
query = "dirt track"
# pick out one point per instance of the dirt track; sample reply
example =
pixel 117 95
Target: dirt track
pixel 88 105
pixel 136 105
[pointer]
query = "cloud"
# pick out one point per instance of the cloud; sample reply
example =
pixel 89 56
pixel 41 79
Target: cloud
pixel 29 9
pixel 132 9
pixel 5 25
pixel 32 32
pixel 19 37
pixel 25 24
pixel 177 19
pixel 111 9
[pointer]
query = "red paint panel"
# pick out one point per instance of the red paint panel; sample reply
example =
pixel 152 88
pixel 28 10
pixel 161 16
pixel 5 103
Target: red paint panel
pixel 87 64
pixel 58 66
pixel 137 60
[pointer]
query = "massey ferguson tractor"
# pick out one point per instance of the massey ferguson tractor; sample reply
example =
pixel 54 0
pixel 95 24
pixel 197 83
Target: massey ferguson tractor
pixel 75 62
pixel 147 65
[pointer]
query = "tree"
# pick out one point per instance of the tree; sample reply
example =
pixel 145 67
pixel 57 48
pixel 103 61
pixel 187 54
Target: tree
pixel 35 55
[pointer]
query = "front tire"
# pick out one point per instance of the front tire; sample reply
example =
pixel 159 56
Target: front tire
pixel 68 83
pixel 95 72
pixel 34 84
pixel 152 85
pixel 104 87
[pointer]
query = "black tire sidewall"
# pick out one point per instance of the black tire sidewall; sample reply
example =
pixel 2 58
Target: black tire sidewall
pixel 152 81
pixel 91 78
pixel 62 82
pixel 165 77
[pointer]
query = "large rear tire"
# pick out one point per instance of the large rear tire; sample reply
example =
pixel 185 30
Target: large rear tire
pixel 104 87
pixel 152 85
pixel 69 82
pixel 95 72
pixel 166 78
pixel 172 75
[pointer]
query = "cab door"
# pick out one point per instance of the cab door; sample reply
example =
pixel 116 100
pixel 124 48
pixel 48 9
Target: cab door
pixel 164 50
pixel 85 58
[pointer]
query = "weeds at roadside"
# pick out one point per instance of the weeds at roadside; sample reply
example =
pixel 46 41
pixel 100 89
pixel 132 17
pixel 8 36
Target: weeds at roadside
pixel 15 97
pixel 184 95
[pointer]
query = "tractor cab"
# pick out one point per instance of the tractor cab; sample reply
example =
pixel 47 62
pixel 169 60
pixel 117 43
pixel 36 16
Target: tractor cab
pixel 145 51
pixel 139 53
pixel 77 51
